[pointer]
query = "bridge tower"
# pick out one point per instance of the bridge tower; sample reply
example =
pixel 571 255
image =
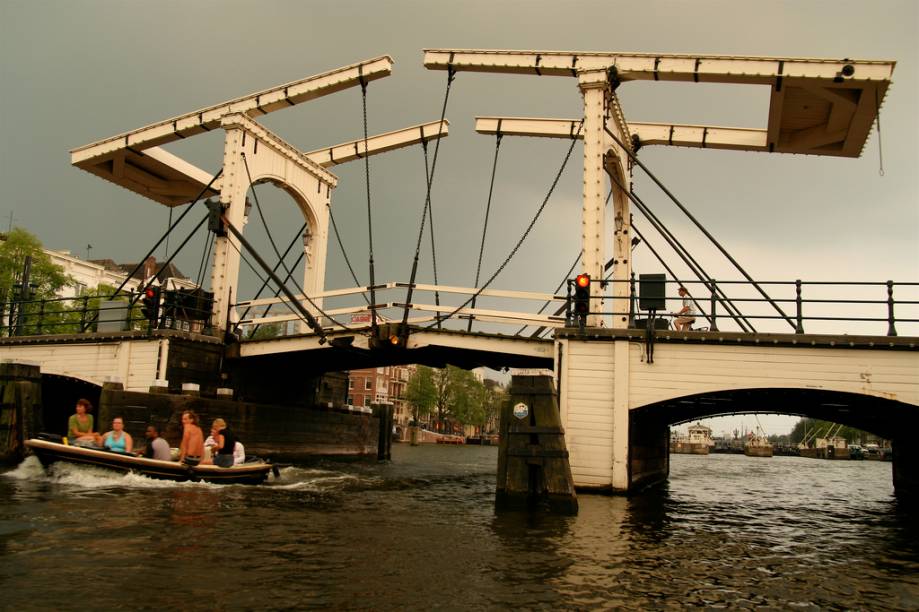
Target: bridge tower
pixel 817 107
pixel 252 154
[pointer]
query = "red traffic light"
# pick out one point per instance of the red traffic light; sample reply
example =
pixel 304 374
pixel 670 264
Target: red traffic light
pixel 582 280
pixel 150 292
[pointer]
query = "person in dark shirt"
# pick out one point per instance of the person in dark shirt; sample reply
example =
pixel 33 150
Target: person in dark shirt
pixel 226 442
pixel 157 448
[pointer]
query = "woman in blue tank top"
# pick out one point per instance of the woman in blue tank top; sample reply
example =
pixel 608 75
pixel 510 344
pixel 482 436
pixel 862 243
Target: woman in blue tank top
pixel 118 439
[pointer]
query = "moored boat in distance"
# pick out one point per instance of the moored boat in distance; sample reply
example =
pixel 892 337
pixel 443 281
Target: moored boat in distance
pixel 49 452
pixel 698 441
pixel 757 445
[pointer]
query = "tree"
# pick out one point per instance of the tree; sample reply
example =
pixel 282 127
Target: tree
pixel 45 277
pixel 420 392
pixel 467 397
pixel 45 281
pixel 264 331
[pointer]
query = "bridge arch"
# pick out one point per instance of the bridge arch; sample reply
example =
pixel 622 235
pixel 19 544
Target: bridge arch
pixel 887 418
pixel 253 155
pixel 59 394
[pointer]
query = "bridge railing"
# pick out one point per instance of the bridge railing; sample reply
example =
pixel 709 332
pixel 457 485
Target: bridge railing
pixel 795 307
pixel 436 306
pixel 832 307
pixel 87 313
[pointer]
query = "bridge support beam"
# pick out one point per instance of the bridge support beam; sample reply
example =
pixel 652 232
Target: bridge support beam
pixel 905 467
pixel 610 451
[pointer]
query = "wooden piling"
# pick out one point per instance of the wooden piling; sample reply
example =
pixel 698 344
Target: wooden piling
pixel 384 414
pixel 20 408
pixel 533 467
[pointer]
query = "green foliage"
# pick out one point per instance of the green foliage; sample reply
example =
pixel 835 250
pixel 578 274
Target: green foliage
pixel 46 277
pixel 264 332
pixel 457 394
pixel 420 392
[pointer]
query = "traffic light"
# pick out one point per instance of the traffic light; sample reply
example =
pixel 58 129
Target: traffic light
pixel 582 296
pixel 214 213
pixel 150 303
pixel 388 336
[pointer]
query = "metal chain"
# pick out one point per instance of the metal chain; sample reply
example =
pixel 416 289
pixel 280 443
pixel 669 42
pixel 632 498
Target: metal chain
pixel 491 188
pixel 451 74
pixel 427 178
pixel 258 207
pixel 372 303
pixel 522 238
pixel 344 252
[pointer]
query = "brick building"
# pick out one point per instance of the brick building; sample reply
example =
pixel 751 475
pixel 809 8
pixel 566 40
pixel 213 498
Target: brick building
pixel 383 384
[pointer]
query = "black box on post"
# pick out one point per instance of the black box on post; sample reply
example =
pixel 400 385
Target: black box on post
pixel 652 292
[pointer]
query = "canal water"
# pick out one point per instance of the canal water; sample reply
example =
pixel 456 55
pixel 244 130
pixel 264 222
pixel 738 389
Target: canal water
pixel 420 533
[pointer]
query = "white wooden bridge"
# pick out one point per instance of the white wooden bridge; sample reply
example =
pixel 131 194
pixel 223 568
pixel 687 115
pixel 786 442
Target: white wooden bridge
pixel 619 387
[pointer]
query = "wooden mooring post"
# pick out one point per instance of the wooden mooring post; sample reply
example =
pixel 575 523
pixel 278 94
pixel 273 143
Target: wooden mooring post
pixel 533 466
pixel 20 408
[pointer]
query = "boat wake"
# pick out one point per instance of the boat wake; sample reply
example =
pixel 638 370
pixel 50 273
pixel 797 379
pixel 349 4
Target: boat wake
pixel 89 477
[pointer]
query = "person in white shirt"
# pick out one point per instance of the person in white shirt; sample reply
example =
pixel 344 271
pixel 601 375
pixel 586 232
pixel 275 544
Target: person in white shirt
pixel 687 315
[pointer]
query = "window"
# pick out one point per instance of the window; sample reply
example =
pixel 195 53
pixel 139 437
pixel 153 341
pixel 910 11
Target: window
pixel 368 384
pixel 367 400
pixel 350 384
pixel 350 401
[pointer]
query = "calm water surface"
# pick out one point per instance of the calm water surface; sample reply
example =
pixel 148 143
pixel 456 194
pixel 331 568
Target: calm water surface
pixel 420 532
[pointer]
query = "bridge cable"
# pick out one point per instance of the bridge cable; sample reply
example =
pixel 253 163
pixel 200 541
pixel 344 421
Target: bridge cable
pixel 451 75
pixel 540 329
pixel 265 282
pixel 274 246
pixel 293 300
pixel 265 279
pixel 166 235
pixel 522 238
pixel 694 266
pixel 724 252
pixel 427 178
pixel 687 258
pixel 372 303
pixel 343 251
pixel 491 187
pixel 205 256
pixel 667 268
pixel 163 266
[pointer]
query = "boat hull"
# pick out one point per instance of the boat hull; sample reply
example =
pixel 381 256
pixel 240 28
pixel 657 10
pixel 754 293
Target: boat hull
pixel 689 448
pixel 758 451
pixel 52 452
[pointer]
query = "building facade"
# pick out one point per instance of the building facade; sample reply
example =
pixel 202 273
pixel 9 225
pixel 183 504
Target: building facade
pixel 383 384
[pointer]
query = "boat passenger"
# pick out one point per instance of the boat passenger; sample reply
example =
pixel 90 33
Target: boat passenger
pixel 80 425
pixel 157 447
pixel 226 444
pixel 687 314
pixel 118 439
pixel 239 451
pixel 191 450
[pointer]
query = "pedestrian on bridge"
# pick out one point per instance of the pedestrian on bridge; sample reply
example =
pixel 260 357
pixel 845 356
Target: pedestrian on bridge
pixel 687 314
